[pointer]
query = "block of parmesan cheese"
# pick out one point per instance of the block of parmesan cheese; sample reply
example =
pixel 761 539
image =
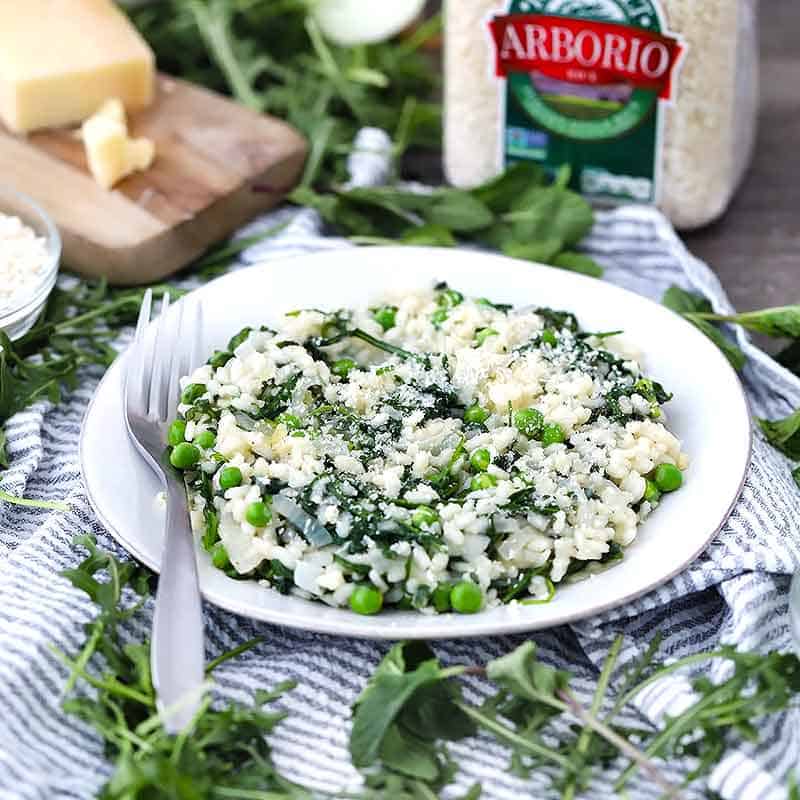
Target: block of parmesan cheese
pixel 61 59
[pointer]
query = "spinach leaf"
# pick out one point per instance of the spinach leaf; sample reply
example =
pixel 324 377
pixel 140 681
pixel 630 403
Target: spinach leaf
pixel 690 306
pixel 459 211
pixel 500 193
pixel 784 434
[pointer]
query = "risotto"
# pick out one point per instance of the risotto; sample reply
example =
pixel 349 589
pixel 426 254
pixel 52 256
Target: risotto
pixel 430 452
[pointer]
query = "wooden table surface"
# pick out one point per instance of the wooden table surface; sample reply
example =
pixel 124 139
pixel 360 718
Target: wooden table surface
pixel 755 247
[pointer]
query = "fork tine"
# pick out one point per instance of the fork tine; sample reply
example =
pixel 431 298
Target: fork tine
pixel 195 354
pixel 136 387
pixel 157 361
pixel 170 379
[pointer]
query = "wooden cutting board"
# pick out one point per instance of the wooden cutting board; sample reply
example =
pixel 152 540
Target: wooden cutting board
pixel 217 165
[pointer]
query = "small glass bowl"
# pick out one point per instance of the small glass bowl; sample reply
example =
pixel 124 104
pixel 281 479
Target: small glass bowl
pixel 18 317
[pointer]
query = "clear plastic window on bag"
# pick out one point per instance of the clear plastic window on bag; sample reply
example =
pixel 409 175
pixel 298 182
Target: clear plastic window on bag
pixel 649 101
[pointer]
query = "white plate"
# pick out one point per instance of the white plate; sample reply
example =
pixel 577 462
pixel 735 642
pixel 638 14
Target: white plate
pixel 709 413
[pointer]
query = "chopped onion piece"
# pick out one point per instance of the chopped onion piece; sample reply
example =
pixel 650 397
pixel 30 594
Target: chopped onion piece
pixel 353 22
pixel 316 533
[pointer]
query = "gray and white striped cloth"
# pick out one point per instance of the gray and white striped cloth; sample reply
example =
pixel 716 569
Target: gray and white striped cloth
pixel 736 592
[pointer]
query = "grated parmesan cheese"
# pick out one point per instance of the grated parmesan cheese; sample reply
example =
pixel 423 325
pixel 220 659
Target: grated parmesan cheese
pixel 23 259
pixel 702 138
pixel 515 461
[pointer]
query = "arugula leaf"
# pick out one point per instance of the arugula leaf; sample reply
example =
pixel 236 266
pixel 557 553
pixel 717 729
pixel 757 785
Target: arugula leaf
pixel 784 434
pixel 410 708
pixel 225 754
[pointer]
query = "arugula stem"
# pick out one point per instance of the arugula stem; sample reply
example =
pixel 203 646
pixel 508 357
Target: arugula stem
pixel 427 30
pixel 622 744
pixel 83 657
pixel 505 734
pixel 212 25
pixel 597 701
pixel 111 685
pixel 237 651
pixel 402 133
pixel 183 736
pixel 633 676
pixel 332 69
pixel 676 665
pixel 24 501
pixel 246 794
pixel 673 729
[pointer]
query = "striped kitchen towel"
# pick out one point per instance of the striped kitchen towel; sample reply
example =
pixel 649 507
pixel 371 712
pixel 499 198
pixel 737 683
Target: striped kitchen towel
pixel 735 593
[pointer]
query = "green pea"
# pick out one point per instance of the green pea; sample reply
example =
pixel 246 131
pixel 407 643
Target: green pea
pixel 220 358
pixel 257 514
pixel 219 556
pixel 476 414
pixel 439 316
pixel 530 422
pixel 553 433
pixel 184 456
pixel 668 477
pixel 239 338
pixel 343 366
pixel 366 600
pixel 482 481
pixel 466 597
pixel 192 392
pixel 480 459
pixel 441 597
pixel 483 334
pixel 424 516
pixel 385 316
pixel 651 493
pixel 177 432
pixel 548 337
pixel 206 440
pixel 450 298
pixel 230 477
pixel 291 421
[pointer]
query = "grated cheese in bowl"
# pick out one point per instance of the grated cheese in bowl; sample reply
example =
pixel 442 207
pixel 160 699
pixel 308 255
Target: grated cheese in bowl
pixel 23 259
pixel 432 452
pixel 30 248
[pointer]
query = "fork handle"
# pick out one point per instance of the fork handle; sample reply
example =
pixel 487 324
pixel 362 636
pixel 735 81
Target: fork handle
pixel 177 655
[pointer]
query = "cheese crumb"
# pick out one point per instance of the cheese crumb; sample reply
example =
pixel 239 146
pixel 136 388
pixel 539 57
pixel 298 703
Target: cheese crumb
pixel 111 153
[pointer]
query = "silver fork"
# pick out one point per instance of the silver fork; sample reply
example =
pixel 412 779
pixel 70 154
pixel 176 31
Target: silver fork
pixel 155 365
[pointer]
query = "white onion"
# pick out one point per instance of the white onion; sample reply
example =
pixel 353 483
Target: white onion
pixel 308 526
pixel 353 22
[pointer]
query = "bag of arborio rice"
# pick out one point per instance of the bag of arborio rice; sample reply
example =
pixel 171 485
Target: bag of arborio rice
pixel 648 101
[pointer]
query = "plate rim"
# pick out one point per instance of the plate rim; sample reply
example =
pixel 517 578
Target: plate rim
pixel 343 627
